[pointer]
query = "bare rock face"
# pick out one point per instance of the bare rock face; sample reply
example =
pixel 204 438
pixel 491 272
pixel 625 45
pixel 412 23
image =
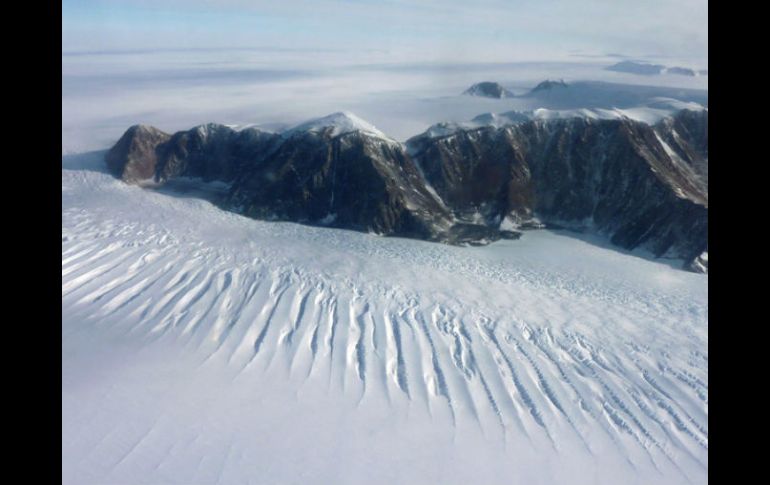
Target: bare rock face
pixel 686 134
pixel 134 158
pixel 351 180
pixel 213 152
pixel 481 174
pixel 146 155
pixel 640 186
pixel 205 151
pixel 335 175
pixel 613 177
pixel 488 89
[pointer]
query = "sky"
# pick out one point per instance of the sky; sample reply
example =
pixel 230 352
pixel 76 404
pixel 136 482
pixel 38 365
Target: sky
pixel 361 31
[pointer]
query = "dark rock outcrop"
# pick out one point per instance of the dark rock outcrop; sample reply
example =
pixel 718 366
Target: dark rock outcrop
pixel 686 134
pixel 478 173
pixel 611 176
pixel 330 173
pixel 488 89
pixel 135 156
pixel 351 180
pixel 641 186
pixel 146 155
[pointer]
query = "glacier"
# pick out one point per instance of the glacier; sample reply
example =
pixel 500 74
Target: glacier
pixel 245 351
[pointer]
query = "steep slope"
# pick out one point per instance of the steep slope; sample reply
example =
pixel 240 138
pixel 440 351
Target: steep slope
pixel 639 185
pixel 134 158
pixel 611 176
pixel 211 152
pixel 337 170
pixel 686 134
pixel 477 173
pixel 335 173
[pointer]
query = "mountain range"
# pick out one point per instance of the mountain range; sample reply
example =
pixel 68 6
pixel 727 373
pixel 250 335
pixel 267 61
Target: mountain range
pixel 640 185
pixel 646 68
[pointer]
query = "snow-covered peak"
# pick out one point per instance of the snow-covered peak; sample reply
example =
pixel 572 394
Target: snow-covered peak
pixel 498 120
pixel 206 130
pixel 495 120
pixel 341 122
pixel 650 114
pixel 657 109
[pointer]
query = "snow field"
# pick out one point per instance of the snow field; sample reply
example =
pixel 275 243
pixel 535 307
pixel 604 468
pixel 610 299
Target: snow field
pixel 203 347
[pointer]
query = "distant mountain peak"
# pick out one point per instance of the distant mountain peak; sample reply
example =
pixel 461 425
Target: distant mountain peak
pixel 635 67
pixel 488 89
pixel 646 68
pixel 682 71
pixel 548 85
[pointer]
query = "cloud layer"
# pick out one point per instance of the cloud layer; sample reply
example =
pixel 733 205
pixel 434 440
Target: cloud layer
pixel 397 30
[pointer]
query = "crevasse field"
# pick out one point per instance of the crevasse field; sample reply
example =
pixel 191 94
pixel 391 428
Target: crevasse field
pixel 199 346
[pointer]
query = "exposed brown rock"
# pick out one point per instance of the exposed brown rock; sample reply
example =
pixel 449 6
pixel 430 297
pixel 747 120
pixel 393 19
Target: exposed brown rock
pixel 135 156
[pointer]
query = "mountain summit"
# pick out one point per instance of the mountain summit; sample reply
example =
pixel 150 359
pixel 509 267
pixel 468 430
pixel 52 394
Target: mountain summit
pixel 548 85
pixel 336 124
pixel 488 89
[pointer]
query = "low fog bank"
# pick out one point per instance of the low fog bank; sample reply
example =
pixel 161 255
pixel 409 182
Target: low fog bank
pixel 103 93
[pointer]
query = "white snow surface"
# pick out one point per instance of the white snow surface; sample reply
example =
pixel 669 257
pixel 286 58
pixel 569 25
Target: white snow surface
pixel 340 123
pixel 653 112
pixel 199 346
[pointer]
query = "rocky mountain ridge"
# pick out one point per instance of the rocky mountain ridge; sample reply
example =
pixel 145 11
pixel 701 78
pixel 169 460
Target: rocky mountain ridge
pixel 615 177
pixel 641 186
